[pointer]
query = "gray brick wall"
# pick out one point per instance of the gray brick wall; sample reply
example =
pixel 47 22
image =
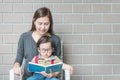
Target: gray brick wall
pixel 90 30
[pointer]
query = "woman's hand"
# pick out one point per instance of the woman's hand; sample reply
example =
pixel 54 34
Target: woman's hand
pixel 17 69
pixel 68 67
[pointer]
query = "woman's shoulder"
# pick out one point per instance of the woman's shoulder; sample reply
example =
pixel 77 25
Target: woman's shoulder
pixel 55 37
pixel 25 34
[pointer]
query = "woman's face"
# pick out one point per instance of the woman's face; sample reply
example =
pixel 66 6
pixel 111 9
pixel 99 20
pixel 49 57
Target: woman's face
pixel 42 25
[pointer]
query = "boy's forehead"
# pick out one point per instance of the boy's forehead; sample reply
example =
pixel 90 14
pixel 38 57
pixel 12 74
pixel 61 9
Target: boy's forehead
pixel 48 44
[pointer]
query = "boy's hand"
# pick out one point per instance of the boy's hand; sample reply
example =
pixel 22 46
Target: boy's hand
pixel 50 75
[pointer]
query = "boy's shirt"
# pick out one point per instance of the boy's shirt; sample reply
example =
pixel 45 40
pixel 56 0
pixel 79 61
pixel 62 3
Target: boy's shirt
pixel 46 61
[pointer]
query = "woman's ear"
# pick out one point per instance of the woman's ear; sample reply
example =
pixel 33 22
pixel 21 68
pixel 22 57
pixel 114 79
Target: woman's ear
pixel 34 21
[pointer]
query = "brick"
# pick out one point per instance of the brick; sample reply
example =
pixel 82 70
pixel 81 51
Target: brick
pixel 93 77
pixel 12 1
pixel 82 8
pixel 8 59
pixel 81 49
pixel 72 59
pixel 1 39
pixel 7 39
pixel 16 77
pixel 27 18
pixel 102 49
pixel 15 48
pixel 85 70
pixel 67 49
pixel 12 18
pixel 63 28
pixel 82 28
pixel 92 39
pixel 111 39
pixel 22 8
pixel 91 1
pixel 1 77
pixel 52 1
pixel 32 1
pixel 116 69
pixel 57 18
pixel 72 39
pixel 116 49
pixel 0 60
pixel 92 59
pixel 5 49
pixel 111 77
pixel 102 28
pixel 116 28
pixel 72 1
pixel 92 18
pixel 110 1
pixel 5 28
pixel 111 59
pixel 115 8
pixel 20 28
pixel 1 18
pixel 63 8
pixel 111 18
pixel 101 8
pixel 72 18
pixel 4 69
pixel 76 77
pixel 6 8
pixel 39 5
pixel 102 69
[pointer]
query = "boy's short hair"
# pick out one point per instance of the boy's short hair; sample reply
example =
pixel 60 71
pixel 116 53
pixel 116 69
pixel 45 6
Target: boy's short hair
pixel 45 39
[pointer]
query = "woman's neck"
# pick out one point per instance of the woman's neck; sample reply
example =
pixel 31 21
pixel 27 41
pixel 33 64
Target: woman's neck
pixel 36 36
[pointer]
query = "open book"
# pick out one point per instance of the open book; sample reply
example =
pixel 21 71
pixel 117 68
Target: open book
pixel 34 67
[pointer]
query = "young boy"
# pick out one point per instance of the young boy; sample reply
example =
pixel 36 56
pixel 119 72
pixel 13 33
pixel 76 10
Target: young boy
pixel 45 57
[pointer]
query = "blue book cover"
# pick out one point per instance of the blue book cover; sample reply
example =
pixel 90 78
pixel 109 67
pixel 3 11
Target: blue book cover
pixel 33 67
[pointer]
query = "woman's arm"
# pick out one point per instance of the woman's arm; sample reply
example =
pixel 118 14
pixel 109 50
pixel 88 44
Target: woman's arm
pixel 19 57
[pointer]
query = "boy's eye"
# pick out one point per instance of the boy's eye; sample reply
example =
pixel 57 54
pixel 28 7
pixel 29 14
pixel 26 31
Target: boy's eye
pixel 44 50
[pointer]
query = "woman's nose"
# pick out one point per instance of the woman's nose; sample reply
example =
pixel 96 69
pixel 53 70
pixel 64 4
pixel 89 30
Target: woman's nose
pixel 43 27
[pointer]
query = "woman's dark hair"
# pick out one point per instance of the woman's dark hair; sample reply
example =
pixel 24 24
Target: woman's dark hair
pixel 45 39
pixel 42 12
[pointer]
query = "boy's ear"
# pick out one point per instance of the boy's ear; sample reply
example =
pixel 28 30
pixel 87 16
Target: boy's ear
pixel 52 49
pixel 39 49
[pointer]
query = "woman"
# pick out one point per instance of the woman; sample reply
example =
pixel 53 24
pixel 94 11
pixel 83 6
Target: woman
pixel 42 23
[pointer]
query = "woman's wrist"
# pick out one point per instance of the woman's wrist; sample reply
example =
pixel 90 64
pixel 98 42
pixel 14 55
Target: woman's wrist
pixel 16 64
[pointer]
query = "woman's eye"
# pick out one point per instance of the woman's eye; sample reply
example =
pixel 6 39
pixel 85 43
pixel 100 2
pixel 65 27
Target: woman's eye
pixel 40 23
pixel 46 23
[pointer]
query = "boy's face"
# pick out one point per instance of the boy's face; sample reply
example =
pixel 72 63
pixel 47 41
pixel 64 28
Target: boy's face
pixel 45 50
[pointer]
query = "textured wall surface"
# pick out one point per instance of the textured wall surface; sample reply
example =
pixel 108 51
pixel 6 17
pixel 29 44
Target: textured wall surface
pixel 90 30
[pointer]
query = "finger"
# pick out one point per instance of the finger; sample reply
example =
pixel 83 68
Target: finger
pixel 51 71
pixel 20 72
pixel 71 70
